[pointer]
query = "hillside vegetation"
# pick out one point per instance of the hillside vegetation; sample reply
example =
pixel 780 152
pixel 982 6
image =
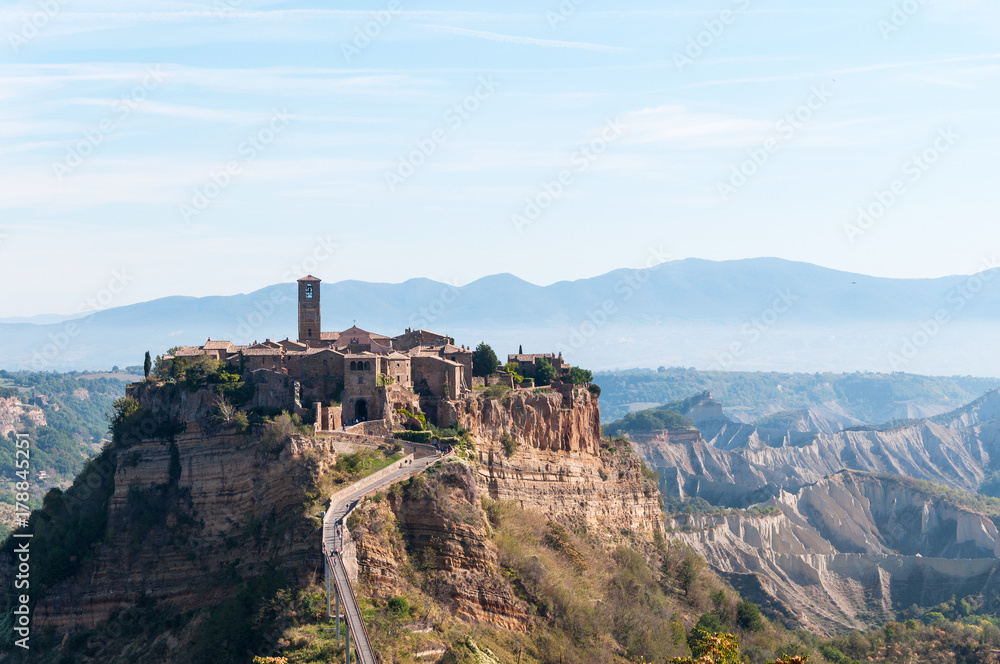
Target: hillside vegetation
pixel 75 411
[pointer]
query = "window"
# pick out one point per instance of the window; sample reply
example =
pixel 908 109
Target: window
pixel 324 363
pixel 354 366
pixel 361 380
pixel 368 366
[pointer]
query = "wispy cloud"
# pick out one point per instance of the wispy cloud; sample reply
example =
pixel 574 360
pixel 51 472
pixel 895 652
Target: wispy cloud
pixel 526 41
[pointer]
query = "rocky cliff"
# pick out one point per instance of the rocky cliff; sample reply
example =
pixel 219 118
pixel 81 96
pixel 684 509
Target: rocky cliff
pixel 14 415
pixel 437 526
pixel 733 461
pixel 544 450
pixel 849 550
pixel 189 515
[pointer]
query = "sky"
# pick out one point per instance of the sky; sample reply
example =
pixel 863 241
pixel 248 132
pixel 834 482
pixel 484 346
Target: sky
pixel 197 148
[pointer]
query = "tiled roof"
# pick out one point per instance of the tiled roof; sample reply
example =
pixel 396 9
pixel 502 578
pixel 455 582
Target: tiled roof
pixel 265 352
pixel 188 351
pixel 217 345
pixel 309 277
pixel 529 357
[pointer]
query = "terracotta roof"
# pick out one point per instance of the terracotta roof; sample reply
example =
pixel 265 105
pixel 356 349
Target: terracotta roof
pixel 309 277
pixel 188 351
pixel 354 329
pixel 329 336
pixel 438 358
pixel 217 345
pixel 448 348
pixel 266 352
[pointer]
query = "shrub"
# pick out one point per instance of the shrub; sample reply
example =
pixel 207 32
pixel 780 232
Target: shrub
pixel 275 432
pixel 414 436
pixel 495 391
pixel 509 444
pixel 399 608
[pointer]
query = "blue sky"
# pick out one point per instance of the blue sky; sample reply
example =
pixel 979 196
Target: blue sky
pixel 217 147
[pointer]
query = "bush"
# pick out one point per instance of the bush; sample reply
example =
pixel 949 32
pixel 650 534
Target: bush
pixel 275 432
pixel 414 436
pixel 495 391
pixel 509 444
pixel 399 608
pixel 594 389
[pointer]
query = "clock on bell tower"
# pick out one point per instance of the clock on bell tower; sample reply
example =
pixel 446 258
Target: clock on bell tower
pixel 309 310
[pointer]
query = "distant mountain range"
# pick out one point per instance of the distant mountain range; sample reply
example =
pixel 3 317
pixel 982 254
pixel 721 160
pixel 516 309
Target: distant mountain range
pixel 754 314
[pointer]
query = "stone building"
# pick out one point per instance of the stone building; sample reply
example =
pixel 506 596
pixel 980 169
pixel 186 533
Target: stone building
pixel 370 375
pixel 527 363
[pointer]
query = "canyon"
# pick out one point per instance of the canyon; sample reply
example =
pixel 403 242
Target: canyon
pixel 845 528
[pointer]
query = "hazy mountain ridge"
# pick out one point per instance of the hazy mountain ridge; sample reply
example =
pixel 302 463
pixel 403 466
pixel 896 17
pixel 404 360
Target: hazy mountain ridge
pixel 783 314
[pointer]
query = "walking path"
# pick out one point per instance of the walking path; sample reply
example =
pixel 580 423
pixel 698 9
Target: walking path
pixel 341 504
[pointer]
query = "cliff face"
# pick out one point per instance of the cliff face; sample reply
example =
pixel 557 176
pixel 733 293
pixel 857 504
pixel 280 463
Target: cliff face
pixel 956 449
pixel 14 415
pixel 189 516
pixel 544 451
pixel 441 530
pixel 850 549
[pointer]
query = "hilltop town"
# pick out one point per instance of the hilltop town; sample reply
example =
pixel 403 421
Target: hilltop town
pixel 356 376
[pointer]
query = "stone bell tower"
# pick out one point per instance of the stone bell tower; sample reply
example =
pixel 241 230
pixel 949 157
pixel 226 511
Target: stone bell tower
pixel 309 312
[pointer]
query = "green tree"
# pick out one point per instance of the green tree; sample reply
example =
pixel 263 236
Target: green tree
pixel 147 365
pixel 545 373
pixel 484 360
pixel 579 376
pixel 748 617
pixel 520 349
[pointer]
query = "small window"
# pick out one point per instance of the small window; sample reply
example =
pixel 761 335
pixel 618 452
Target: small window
pixel 324 363
pixel 361 380
pixel 354 366
pixel 368 366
